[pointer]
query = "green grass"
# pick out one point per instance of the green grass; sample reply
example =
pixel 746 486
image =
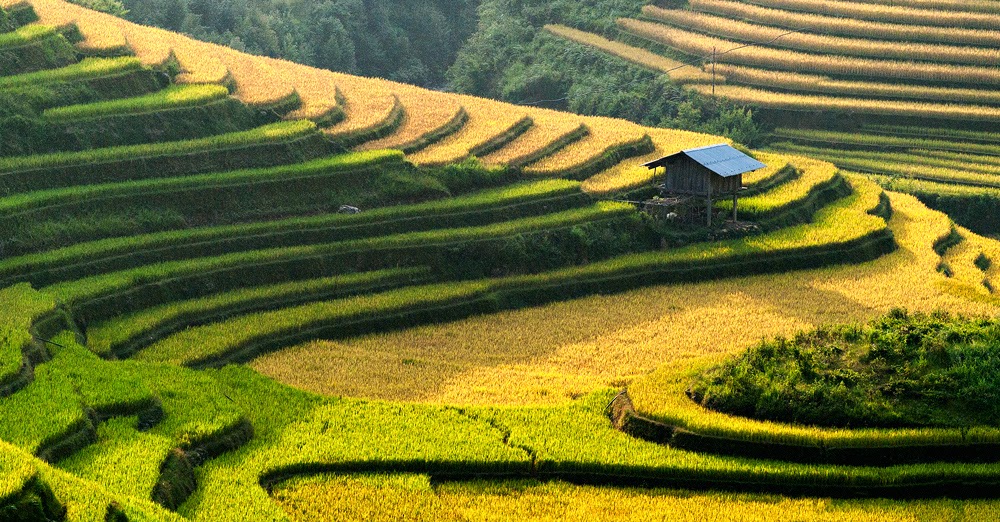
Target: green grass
pixel 900 371
pixel 173 97
pixel 296 432
pixel 931 132
pixel 890 166
pixel 966 163
pixel 19 307
pixel 127 461
pixel 785 196
pixel 885 142
pixel 276 132
pixel 917 186
pixel 124 460
pixel 121 252
pixel 838 224
pixel 46 198
pixel 24 35
pixel 109 337
pixel 87 68
pixel 239 263
pixel 15 471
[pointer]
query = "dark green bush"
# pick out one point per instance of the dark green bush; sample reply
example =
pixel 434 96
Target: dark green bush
pixel 902 370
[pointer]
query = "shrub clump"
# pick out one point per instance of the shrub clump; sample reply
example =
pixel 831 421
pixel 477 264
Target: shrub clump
pixel 900 371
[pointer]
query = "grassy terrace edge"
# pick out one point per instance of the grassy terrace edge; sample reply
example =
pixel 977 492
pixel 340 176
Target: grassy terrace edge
pixel 688 426
pixel 826 241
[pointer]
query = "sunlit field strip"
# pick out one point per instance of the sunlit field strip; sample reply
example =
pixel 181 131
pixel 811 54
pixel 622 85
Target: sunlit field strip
pixel 24 35
pixel 806 102
pixel 892 168
pixel 388 218
pixel 380 498
pixel 154 47
pixel 928 132
pixel 86 289
pixel 605 134
pixel 661 395
pixel 367 103
pixel 257 83
pixel 548 127
pixel 426 112
pixel 19 307
pixel 834 25
pixel 269 133
pixel 978 159
pixel 553 353
pixel 885 142
pixel 909 158
pixel 981 6
pixel 845 220
pixel 919 186
pixel 631 174
pixel 813 174
pixel 959 262
pixel 85 69
pixel 488 120
pixel 157 47
pixel 888 13
pixel 103 337
pixel 701 45
pixel 173 97
pixel 316 87
pixel 633 54
pixel 836 45
pixel 823 84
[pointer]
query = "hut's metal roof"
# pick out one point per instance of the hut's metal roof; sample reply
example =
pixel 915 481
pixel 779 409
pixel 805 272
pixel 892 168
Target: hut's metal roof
pixel 720 159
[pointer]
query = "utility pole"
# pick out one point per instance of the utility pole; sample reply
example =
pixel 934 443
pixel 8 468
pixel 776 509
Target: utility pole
pixel 713 72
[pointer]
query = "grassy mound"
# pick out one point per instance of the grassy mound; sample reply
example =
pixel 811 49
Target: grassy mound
pixel 901 371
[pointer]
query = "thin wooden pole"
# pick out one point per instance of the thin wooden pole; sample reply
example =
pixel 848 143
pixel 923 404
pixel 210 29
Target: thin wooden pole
pixel 713 72
pixel 708 206
pixel 734 207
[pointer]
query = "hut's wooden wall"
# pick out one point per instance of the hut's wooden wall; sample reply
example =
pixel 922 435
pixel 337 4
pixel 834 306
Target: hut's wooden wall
pixel 721 185
pixel 686 176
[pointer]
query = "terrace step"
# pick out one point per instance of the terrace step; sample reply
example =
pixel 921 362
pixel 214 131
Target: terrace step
pixel 429 117
pixel 87 259
pixel 177 113
pixel 33 48
pixel 52 219
pixel 104 296
pixel 157 462
pixel 92 80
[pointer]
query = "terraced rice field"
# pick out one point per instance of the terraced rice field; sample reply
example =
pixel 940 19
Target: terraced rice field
pixel 191 329
pixel 901 92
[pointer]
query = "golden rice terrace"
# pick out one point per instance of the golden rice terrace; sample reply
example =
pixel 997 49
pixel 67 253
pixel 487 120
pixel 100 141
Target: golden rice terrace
pixel 238 288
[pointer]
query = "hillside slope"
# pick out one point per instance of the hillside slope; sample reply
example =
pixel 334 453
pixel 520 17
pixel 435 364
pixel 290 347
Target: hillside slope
pixel 903 92
pixel 171 209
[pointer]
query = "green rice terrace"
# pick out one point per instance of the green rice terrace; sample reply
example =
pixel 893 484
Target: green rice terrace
pixel 238 288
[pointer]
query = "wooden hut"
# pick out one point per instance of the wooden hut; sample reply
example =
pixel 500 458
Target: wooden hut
pixel 711 172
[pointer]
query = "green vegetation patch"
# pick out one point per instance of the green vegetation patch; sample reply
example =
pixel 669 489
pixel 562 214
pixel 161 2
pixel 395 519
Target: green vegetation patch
pixel 267 134
pixel 901 371
pixel 173 97
pixel 19 306
pixel 85 69
pixel 26 34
